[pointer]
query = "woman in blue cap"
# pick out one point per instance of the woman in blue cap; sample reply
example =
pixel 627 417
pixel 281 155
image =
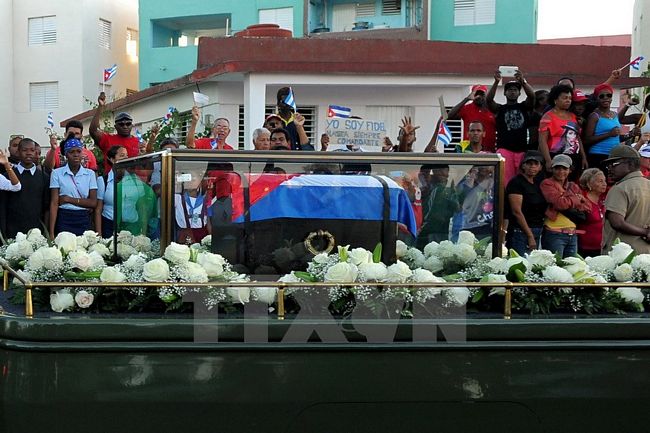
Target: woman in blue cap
pixel 73 190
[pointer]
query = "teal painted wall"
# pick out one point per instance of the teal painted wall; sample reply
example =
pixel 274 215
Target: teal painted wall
pixel 516 22
pixel 166 63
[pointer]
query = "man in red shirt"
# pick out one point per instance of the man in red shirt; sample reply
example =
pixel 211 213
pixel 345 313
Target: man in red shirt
pixel 55 159
pixel 218 136
pixel 477 110
pixel 123 127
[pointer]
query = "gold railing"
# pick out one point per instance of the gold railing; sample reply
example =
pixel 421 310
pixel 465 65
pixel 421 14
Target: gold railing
pixel 508 286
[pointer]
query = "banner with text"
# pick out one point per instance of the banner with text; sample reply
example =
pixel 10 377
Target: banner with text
pixel 366 134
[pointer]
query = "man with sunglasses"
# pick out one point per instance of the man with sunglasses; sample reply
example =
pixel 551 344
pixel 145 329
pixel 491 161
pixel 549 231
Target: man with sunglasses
pixel 123 127
pixel 627 205
pixel 218 134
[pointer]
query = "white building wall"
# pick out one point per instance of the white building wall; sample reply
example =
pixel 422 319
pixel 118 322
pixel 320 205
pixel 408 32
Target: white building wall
pixel 75 61
pixel 640 35
pixel 6 72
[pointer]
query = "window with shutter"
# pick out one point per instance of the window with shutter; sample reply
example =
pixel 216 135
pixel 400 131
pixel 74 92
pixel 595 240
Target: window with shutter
pixel 44 96
pixel 41 30
pixel 474 12
pixel 391 7
pixel 104 34
pixel 282 17
pixel 132 42
pixel 309 111
pixel 365 10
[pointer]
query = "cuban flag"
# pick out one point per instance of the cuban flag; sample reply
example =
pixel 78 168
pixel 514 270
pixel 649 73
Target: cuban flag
pixel 50 119
pixel 339 111
pixel 290 100
pixel 444 137
pixel 138 134
pixel 110 72
pixel 168 115
pixel 636 63
pixel 274 196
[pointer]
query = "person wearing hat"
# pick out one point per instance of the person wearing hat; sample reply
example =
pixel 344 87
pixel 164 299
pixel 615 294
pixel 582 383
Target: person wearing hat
pixel 578 107
pixel 476 109
pixel 526 205
pixel 603 129
pixel 627 205
pixel 564 198
pixel 73 193
pixel 123 137
pixel 512 120
pixel 644 153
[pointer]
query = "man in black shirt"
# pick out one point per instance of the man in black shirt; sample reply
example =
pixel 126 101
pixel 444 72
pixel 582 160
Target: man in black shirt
pixel 26 209
pixel 512 120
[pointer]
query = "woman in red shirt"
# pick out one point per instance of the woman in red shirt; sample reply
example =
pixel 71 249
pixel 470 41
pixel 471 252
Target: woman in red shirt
pixel 594 186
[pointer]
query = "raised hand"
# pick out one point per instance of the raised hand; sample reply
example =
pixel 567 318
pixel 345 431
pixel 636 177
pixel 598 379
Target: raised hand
pixel 196 114
pixel 497 76
pixel 299 119
pixel 101 99
pixel 407 126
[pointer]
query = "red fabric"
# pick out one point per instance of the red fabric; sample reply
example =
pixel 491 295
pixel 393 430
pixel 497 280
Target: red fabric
pixel 555 126
pixel 603 86
pixel 109 140
pixel 560 198
pixel 87 155
pixel 204 143
pixel 593 227
pixel 471 112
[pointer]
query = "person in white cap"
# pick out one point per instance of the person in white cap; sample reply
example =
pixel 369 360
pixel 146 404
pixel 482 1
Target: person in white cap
pixel 644 152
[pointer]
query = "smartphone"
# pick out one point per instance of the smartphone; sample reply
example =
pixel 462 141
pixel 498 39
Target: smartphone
pixel 508 71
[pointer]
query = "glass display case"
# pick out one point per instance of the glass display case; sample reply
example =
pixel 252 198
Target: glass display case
pixel 271 212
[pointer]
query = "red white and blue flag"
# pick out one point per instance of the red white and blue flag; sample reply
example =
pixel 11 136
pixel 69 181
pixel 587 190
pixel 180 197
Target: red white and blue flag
pixel 110 72
pixel 138 134
pixel 339 111
pixel 168 115
pixel 444 135
pixel 314 197
pixel 50 119
pixel 636 62
pixel 290 100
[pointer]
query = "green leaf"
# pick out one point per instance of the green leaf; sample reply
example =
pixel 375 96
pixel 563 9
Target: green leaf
pixel 305 276
pixel 477 296
pixel 629 258
pixel 451 278
pixel 512 274
pixel 512 253
pixel 376 253
pixel 520 275
pixel 481 245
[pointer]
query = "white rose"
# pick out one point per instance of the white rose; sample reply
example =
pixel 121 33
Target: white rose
pixel 61 300
pixel 91 237
pixel 446 250
pixel 424 276
pixel 196 273
pixel 341 273
pixel 20 236
pixel 49 258
pixel 239 295
pixel 631 294
pixel 266 295
pixel 497 278
pixel 574 265
pixel 36 238
pixel 465 253
pixel 124 251
pixel 466 237
pixel 111 274
pixel 80 260
pixel 375 272
pixel 624 273
pixel 135 262
pixel 84 299
pixel 602 264
pixel 359 256
pixel 642 263
pixel 400 248
pixel 177 253
pixel 431 249
pixel 19 250
pixel 541 258
pixel 557 275
pixel 289 278
pixel 620 252
pixel 320 258
pixel 415 258
pixel 22 274
pixel 82 243
pixel 124 237
pixel 207 241
pixel 398 272
pixel 499 265
pixel 212 263
pixel 155 270
pixel 433 264
pixel 488 251
pixel 100 249
pixel 458 296
pixel 67 241
pixel 141 243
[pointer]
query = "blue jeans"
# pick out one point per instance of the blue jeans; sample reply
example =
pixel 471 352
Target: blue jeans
pixel 564 244
pixel 518 240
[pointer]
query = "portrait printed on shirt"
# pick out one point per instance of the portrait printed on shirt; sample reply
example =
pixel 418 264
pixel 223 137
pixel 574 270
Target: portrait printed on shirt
pixel 570 141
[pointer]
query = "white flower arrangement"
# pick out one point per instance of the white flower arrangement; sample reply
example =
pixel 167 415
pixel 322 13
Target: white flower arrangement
pixel 620 252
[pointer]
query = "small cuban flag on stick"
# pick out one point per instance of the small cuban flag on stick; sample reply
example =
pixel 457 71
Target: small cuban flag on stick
pixel 138 135
pixel 290 100
pixel 339 111
pixel 168 116
pixel 444 137
pixel 50 119
pixel 110 72
pixel 634 63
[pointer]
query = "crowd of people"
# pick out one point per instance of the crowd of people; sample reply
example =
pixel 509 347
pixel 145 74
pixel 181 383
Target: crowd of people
pixel 574 182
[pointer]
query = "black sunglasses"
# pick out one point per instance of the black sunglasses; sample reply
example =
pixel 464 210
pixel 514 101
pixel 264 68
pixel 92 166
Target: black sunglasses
pixel 604 95
pixel 124 123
